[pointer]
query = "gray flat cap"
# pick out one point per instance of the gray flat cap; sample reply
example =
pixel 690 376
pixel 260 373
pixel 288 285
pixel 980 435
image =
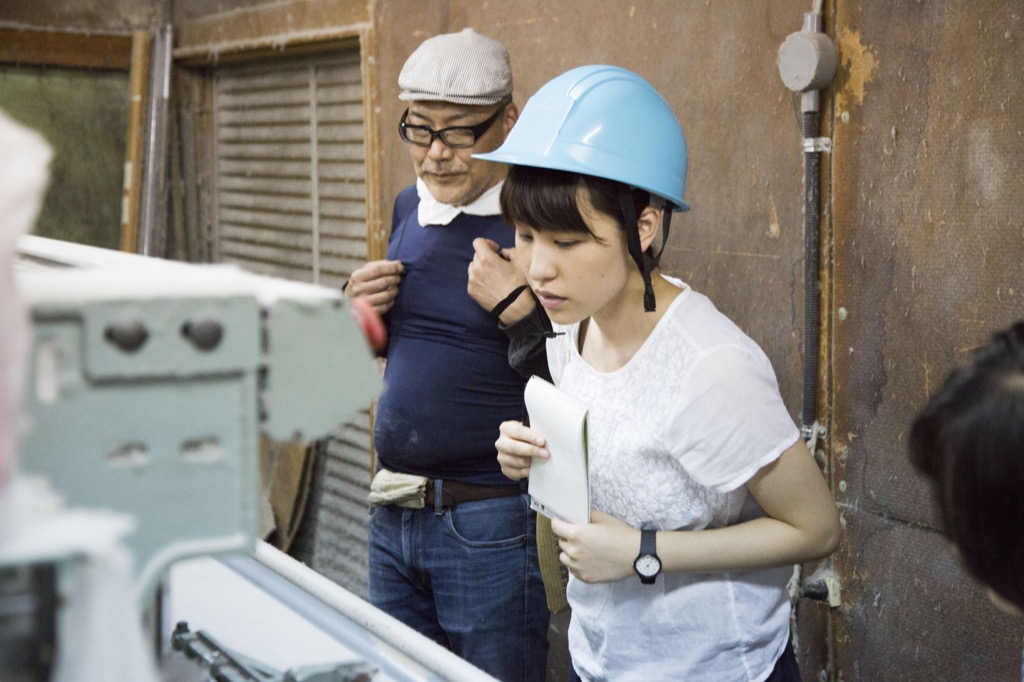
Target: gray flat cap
pixel 462 68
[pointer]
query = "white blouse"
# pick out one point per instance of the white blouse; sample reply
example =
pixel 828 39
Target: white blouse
pixel 673 437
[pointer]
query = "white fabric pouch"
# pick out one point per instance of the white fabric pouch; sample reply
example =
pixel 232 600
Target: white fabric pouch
pixel 404 490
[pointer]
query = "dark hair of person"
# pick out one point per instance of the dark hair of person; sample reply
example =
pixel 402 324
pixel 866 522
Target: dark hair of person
pixel 969 442
pixel 545 199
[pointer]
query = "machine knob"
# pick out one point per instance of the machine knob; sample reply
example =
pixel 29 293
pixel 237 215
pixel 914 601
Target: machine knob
pixel 128 336
pixel 204 334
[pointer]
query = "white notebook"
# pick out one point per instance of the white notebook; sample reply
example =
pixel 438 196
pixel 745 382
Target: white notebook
pixel 560 486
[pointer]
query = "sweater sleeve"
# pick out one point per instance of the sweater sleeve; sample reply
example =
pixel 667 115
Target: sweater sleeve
pixel 527 352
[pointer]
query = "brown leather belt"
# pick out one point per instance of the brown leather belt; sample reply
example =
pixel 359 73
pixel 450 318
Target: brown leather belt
pixel 455 492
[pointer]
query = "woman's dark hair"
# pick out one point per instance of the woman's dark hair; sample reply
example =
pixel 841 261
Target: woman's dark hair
pixel 969 442
pixel 545 199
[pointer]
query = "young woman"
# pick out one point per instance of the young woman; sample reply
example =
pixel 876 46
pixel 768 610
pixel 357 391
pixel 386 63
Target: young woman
pixel 703 493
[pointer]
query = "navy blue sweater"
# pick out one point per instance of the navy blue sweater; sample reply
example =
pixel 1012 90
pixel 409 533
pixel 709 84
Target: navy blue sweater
pixel 447 384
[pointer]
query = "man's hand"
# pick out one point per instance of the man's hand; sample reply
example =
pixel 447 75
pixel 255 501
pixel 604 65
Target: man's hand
pixel 377 281
pixel 493 275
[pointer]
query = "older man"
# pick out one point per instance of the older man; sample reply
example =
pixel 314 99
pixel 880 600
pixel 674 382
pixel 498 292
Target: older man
pixel 452 546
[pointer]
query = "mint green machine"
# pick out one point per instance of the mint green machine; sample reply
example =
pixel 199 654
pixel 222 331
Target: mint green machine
pixel 148 386
pixel 149 382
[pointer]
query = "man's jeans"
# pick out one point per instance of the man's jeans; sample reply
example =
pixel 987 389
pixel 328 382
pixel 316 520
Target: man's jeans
pixel 467 578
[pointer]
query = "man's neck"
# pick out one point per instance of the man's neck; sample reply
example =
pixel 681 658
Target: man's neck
pixel 433 212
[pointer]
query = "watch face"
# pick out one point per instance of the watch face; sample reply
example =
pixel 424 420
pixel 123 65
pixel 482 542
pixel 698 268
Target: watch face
pixel 647 565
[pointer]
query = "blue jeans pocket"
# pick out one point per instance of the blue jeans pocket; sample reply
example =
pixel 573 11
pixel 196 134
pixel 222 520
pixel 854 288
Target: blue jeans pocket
pixel 500 522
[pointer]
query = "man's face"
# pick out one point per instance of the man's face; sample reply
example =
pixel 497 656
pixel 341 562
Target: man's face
pixel 452 175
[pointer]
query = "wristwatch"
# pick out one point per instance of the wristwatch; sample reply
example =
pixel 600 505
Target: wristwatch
pixel 647 564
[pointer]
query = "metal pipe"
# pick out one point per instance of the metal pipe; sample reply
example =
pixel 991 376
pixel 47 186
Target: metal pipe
pixel 138 84
pixel 807 64
pixel 424 651
pixel 812 282
pixel 154 202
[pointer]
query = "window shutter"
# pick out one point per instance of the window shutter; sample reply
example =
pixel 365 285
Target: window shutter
pixel 290 169
pixel 290 201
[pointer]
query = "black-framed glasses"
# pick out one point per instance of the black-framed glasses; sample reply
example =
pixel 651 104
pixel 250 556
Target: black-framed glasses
pixel 457 137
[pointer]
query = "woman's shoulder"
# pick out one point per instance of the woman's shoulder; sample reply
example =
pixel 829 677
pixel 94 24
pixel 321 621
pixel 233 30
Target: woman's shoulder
pixel 707 332
pixel 697 318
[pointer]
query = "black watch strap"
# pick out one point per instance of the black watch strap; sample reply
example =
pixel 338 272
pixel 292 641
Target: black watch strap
pixel 508 300
pixel 647 564
pixel 648 541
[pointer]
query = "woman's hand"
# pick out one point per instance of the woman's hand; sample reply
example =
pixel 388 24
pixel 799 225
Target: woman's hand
pixel 517 446
pixel 599 552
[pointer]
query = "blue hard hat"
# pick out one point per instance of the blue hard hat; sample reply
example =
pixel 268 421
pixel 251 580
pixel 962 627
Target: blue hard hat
pixel 602 121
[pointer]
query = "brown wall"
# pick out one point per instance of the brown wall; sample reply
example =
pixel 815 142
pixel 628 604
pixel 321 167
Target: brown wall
pixel 922 235
pixel 922 245
pixel 82 15
pixel 927 251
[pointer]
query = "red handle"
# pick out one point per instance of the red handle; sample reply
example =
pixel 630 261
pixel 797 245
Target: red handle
pixel 371 323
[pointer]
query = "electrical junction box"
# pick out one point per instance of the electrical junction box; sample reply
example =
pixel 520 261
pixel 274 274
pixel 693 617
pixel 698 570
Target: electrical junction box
pixel 807 59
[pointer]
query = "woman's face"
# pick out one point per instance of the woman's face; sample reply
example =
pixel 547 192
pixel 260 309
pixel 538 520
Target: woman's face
pixel 577 275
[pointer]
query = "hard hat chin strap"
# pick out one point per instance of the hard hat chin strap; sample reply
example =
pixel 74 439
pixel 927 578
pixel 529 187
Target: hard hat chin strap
pixel 645 265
